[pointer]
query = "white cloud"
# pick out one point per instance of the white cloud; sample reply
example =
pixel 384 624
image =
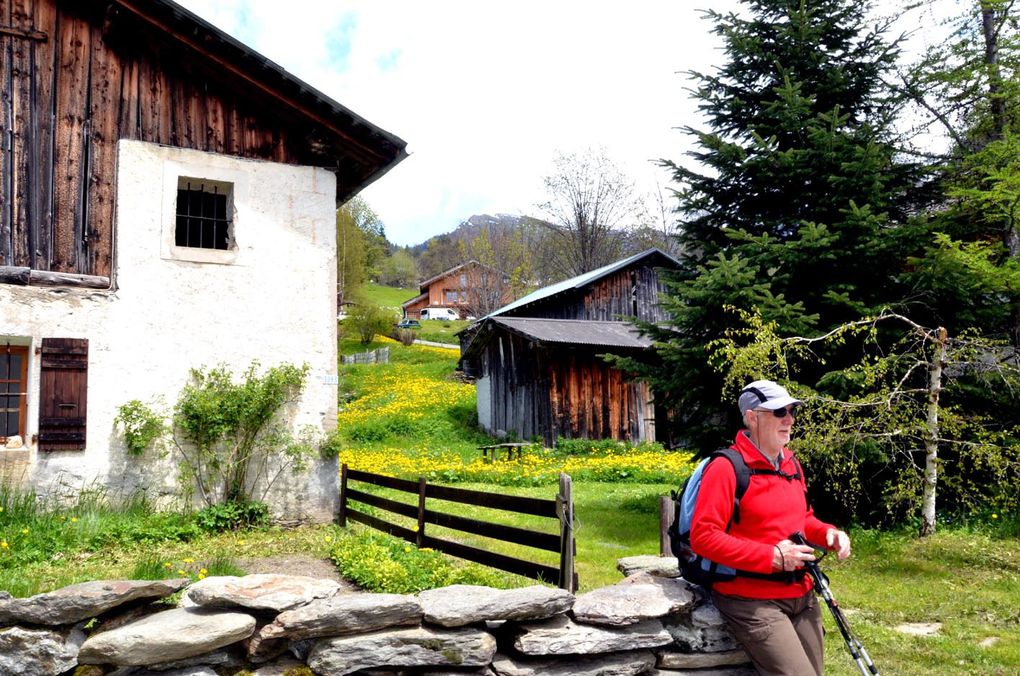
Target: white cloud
pixel 486 93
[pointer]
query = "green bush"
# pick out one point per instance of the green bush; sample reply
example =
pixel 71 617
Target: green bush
pixel 140 425
pixel 231 516
pixel 234 441
pixel 369 320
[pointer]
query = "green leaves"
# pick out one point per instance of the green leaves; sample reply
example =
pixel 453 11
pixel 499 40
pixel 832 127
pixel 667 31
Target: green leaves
pixel 232 439
pixel 140 425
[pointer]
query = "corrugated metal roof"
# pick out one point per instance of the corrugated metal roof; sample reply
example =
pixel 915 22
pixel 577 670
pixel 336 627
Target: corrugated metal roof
pixel 577 282
pixel 576 331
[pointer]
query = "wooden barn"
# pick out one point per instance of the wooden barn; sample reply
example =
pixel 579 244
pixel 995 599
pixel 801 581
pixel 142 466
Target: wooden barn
pixel 537 365
pixel 167 202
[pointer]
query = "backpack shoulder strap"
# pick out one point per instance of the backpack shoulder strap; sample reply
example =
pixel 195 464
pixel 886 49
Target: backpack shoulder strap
pixel 740 469
pixel 800 470
pixel 742 473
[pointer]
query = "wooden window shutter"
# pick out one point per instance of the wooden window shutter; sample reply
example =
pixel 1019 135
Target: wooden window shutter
pixel 63 385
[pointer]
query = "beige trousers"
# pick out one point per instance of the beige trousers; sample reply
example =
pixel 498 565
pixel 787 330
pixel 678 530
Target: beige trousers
pixel 781 636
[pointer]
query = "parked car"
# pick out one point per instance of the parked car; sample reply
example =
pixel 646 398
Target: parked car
pixel 408 324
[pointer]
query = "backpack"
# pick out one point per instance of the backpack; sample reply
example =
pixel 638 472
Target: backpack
pixel 695 568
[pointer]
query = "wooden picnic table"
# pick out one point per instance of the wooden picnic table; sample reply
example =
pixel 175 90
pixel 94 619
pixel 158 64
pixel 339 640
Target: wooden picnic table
pixel 512 449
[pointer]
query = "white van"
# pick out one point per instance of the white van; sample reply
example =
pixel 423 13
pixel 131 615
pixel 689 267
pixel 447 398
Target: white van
pixel 444 313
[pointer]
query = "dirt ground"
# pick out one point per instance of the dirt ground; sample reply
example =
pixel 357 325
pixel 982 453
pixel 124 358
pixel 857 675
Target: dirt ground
pixel 295 564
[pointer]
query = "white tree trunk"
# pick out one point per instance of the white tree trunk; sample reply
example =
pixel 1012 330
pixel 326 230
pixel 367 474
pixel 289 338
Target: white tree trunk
pixel 931 442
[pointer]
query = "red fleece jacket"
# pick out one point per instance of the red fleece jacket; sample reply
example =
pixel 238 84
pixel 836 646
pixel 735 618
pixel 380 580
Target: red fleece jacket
pixel 771 510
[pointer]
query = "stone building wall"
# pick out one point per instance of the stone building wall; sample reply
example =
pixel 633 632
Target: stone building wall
pixel 270 298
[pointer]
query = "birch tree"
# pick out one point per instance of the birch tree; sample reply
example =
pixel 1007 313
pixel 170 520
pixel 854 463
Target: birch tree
pixel 894 399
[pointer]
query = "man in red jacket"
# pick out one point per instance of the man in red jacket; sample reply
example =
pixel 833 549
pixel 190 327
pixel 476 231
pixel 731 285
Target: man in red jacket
pixel 772 613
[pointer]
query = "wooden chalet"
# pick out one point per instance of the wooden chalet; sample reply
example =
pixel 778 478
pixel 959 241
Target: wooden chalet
pixel 469 289
pixel 537 360
pixel 167 201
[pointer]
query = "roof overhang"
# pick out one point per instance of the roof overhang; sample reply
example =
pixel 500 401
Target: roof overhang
pixel 357 150
pixel 606 336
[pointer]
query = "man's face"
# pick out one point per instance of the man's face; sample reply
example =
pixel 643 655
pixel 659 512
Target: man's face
pixel 771 432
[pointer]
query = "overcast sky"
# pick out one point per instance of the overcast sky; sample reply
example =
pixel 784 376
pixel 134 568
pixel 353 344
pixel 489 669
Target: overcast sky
pixel 487 93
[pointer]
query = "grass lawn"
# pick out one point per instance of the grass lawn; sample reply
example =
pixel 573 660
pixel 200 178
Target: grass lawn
pixel 416 413
pixel 386 296
pixel 440 331
pixel 968 580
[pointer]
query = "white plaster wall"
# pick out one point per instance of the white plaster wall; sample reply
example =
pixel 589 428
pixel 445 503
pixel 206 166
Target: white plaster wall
pixel 275 302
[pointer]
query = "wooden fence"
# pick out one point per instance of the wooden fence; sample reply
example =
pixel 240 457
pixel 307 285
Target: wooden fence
pixel 561 509
pixel 378 356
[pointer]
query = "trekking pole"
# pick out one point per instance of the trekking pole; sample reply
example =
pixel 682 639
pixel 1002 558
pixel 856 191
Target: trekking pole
pixel 821 581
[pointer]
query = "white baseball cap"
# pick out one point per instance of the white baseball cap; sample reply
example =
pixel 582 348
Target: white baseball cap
pixel 764 394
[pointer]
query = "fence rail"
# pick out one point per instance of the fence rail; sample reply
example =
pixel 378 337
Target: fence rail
pixel 377 356
pixel 561 509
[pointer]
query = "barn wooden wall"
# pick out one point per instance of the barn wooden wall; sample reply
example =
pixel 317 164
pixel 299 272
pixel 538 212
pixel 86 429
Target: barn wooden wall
pixel 631 292
pixel 77 77
pixel 562 392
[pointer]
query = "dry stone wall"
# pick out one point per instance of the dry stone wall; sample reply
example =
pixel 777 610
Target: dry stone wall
pixel 651 623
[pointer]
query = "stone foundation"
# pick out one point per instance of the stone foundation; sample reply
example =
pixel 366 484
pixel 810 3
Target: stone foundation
pixel 652 622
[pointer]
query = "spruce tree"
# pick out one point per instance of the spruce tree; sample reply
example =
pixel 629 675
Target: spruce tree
pixel 795 199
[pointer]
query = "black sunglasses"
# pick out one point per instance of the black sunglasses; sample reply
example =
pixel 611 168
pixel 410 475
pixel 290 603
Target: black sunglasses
pixel 781 412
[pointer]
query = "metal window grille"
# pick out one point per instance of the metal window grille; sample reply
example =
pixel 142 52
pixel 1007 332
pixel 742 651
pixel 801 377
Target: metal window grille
pixel 202 217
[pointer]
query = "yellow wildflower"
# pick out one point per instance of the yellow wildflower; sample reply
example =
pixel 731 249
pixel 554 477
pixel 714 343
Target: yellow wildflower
pixel 3 544
pixel 189 560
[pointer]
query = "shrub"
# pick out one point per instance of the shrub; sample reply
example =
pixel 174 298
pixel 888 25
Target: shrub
pixel 405 336
pixel 140 425
pixel 231 445
pixel 367 320
pixel 233 516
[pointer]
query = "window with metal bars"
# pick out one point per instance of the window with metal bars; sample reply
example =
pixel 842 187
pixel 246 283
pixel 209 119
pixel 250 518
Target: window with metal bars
pixel 203 214
pixel 13 390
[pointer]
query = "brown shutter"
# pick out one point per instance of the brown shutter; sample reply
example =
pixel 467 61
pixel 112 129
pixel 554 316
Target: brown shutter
pixel 63 384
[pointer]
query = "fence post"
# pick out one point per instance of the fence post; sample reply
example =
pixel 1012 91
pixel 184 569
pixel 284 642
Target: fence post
pixel 341 517
pixel 667 510
pixel 565 510
pixel 419 539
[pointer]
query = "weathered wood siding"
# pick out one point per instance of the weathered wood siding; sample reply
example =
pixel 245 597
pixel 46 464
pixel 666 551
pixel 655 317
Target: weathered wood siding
pixel 76 77
pixel 631 292
pixel 562 392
